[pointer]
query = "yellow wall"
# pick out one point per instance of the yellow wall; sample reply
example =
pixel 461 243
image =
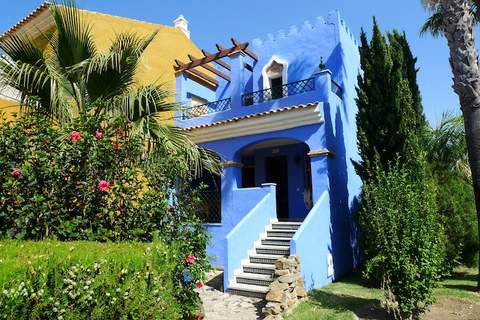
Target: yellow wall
pixel 158 59
pixel 7 107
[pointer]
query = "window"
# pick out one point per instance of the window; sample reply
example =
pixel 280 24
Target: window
pixel 276 87
pixel 275 76
pixel 198 106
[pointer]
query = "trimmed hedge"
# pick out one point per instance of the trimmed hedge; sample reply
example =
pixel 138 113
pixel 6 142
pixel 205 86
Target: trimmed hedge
pixel 87 280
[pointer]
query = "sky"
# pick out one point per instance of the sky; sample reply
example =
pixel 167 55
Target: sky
pixel 217 21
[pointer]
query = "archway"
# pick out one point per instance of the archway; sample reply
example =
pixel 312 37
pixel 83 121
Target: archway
pixel 284 162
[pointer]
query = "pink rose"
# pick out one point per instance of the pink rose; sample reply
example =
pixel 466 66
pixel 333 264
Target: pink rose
pixel 16 173
pixel 103 185
pixel 198 317
pixel 75 136
pixel 98 135
pixel 117 146
pixel 190 259
pixel 199 284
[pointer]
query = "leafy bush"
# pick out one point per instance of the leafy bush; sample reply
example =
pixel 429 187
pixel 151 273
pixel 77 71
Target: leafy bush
pixel 87 281
pixel 90 180
pixel 456 207
pixel 403 238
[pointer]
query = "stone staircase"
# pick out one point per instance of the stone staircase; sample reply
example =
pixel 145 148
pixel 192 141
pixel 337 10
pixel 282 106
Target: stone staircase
pixel 256 273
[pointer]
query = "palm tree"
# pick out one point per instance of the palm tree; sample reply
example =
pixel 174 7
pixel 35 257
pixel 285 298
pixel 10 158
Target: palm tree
pixel 455 20
pixel 446 147
pixel 69 77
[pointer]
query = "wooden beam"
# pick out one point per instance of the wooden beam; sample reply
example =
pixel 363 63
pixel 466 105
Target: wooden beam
pixel 211 69
pixel 203 78
pixel 219 47
pixel 249 52
pixel 213 57
pixel 220 62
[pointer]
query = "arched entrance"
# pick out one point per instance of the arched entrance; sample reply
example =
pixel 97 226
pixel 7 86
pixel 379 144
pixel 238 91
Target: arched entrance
pixel 284 162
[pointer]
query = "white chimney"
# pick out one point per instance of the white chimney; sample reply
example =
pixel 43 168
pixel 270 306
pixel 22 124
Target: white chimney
pixel 182 24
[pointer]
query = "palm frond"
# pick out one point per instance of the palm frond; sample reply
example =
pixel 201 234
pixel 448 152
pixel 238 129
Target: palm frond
pixel 447 146
pixel 433 25
pixel 112 73
pixel 73 40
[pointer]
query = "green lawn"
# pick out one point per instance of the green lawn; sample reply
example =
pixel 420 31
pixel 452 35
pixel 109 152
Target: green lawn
pixel 17 256
pixel 340 300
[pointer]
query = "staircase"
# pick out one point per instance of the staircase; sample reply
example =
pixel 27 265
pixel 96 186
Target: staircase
pixel 256 273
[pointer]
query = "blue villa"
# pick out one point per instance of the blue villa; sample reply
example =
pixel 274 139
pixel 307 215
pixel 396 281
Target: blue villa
pixel 280 113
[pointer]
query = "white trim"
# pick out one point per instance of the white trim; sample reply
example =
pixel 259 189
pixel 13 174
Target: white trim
pixel 256 125
pixel 266 79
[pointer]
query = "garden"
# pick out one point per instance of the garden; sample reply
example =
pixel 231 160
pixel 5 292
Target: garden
pixel 97 219
pixel 91 225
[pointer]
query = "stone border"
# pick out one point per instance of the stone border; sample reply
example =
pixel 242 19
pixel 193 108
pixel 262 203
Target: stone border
pixel 286 290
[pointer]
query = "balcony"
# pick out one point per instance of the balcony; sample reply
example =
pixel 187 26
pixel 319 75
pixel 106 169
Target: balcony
pixel 278 92
pixel 207 108
pixel 320 87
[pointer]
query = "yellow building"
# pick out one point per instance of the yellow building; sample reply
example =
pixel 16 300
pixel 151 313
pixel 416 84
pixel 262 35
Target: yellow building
pixel 171 42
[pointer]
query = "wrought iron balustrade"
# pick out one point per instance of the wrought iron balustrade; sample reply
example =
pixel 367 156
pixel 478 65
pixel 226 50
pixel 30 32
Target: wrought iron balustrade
pixel 278 92
pixel 207 108
pixel 210 210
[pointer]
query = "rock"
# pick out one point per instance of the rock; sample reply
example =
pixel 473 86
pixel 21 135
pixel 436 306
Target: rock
pixel 297 259
pixel 301 293
pixel 272 308
pixel 273 317
pixel 289 278
pixel 281 272
pixel 274 295
pixel 299 282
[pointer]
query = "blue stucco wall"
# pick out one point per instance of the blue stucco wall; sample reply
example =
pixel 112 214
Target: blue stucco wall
pixel 240 239
pixel 336 186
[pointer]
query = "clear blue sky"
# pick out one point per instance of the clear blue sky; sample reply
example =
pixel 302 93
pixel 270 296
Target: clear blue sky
pixel 217 21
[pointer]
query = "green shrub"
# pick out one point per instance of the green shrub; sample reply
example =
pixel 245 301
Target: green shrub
pixel 91 181
pixel 52 280
pixel 403 238
pixel 456 207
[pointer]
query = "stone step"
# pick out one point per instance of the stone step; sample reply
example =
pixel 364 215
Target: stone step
pixel 273 250
pixel 248 290
pixel 272 241
pixel 258 268
pixel 281 233
pixel 286 225
pixel 265 258
pixel 254 279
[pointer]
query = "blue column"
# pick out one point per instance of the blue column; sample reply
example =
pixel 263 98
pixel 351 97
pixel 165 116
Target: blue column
pixel 231 180
pixel 237 83
pixel 319 167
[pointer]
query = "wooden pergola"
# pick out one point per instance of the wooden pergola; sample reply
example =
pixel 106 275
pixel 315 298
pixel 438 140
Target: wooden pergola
pixel 216 57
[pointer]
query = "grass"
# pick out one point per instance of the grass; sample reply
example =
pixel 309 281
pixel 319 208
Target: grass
pixel 17 256
pixel 341 299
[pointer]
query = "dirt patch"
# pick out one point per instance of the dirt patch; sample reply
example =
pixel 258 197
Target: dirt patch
pixel 448 308
pixel 453 309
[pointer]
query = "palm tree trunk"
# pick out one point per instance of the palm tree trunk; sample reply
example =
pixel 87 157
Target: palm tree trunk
pixel 458 29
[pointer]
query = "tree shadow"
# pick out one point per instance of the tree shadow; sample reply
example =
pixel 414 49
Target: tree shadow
pixel 462 276
pixel 363 308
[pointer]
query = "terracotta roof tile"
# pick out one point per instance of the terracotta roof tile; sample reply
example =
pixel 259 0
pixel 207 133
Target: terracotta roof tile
pixel 44 6
pixel 254 115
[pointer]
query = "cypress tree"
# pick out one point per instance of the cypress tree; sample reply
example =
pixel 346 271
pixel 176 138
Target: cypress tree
pixel 390 116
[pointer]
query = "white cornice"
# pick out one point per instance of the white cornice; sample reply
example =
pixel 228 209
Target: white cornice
pixel 271 122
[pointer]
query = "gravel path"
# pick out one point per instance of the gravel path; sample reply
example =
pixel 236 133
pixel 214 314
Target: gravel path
pixel 223 306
